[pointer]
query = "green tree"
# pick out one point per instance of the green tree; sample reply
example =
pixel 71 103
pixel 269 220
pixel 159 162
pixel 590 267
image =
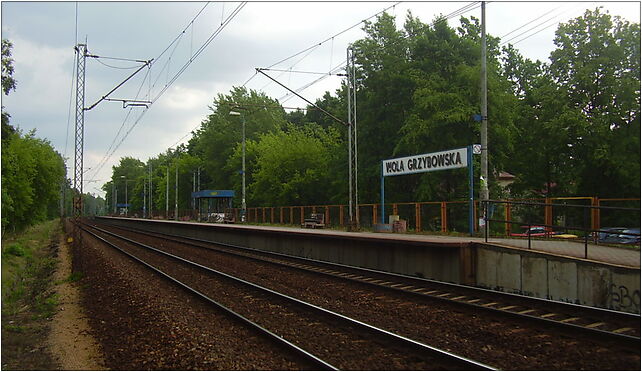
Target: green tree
pixel 8 82
pixel 291 166
pixel 220 133
pixel 32 172
pixel 418 92
pixel 597 66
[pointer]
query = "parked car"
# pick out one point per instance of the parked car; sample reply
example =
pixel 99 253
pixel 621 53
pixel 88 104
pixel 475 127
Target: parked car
pixel 606 234
pixel 543 231
pixel 534 231
pixel 628 236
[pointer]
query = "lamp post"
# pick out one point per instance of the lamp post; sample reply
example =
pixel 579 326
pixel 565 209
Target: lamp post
pixel 243 206
pixel 126 200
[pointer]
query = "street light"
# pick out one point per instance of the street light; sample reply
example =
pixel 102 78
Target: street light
pixel 126 200
pixel 234 113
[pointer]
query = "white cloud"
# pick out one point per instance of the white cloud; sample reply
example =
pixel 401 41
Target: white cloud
pixel 42 72
pixel 184 98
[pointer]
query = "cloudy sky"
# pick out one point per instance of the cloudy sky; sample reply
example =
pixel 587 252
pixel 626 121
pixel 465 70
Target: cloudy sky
pixel 241 38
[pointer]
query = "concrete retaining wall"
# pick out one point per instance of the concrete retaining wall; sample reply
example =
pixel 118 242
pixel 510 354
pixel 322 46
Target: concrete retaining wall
pixel 428 260
pixel 508 269
pixel 558 278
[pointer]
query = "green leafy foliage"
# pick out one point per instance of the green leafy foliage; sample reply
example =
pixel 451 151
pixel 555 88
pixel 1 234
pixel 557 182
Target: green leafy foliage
pixel 8 82
pixel 291 166
pixel 567 126
pixel 32 174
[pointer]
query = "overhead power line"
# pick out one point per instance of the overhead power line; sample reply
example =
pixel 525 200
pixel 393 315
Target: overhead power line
pixel 339 67
pixel 333 36
pixel 117 67
pixel 302 72
pixel 176 76
pixel 553 18
pixel 314 46
pixel 149 77
pixel 526 24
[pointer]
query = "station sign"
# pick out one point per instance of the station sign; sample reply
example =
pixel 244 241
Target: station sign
pixel 442 160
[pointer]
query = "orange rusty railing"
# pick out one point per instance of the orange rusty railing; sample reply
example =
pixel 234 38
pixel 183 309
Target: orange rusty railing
pixel 442 216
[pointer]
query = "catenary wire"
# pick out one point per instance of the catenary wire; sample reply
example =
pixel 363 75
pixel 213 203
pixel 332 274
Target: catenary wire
pixel 198 52
pixel 177 38
pixel 528 23
pixel 116 67
pixel 322 42
pixel 538 25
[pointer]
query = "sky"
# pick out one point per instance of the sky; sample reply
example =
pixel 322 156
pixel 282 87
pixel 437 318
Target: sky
pixel 201 50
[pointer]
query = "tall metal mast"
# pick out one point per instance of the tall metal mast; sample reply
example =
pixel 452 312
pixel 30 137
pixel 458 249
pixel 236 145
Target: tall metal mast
pixel 353 203
pixel 484 108
pixel 81 58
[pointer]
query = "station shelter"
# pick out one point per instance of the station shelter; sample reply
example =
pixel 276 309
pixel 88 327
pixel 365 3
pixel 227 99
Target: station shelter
pixel 122 208
pixel 212 204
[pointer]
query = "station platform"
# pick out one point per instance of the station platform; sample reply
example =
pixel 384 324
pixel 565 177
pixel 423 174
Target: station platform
pixel 568 271
pixel 624 256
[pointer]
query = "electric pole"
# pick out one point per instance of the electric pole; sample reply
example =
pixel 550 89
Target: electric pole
pixel 151 205
pixel 484 109
pixel 144 198
pixel 353 194
pixel 81 59
pixel 176 198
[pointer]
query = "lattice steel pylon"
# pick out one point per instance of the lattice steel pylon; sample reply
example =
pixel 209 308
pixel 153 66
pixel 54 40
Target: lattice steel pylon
pixel 81 57
pixel 353 195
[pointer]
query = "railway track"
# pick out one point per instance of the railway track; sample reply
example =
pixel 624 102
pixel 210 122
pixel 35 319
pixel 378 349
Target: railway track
pixel 622 328
pixel 325 338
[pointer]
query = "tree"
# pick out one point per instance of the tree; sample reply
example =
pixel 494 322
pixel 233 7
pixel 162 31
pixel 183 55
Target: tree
pixel 8 82
pixel 219 134
pixel 32 172
pixel 292 166
pixel 597 66
pixel 418 92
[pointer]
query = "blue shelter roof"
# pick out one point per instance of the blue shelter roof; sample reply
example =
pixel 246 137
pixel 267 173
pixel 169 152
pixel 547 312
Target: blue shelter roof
pixel 213 194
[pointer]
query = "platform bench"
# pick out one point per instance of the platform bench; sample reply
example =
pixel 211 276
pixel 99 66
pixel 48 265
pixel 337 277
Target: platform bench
pixel 315 220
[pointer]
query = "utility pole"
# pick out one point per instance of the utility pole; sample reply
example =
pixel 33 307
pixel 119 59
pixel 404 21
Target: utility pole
pixel 483 189
pixel 176 198
pixel 151 193
pixel 484 109
pixel 167 195
pixel 193 189
pixel 353 194
pixel 81 60
pixel 145 199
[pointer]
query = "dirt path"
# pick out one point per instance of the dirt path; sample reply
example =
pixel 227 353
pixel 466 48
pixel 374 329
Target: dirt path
pixel 70 340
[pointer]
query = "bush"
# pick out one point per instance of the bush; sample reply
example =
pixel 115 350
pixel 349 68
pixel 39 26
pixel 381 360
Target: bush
pixel 15 250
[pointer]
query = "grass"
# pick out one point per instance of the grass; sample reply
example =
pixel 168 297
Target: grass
pixel 27 264
pixel 28 299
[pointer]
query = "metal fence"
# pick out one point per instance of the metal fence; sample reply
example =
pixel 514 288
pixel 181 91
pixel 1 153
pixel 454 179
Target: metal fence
pixel 504 217
pixel 581 222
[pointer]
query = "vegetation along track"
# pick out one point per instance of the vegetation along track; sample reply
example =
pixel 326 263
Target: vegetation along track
pixel 495 337
pixel 344 342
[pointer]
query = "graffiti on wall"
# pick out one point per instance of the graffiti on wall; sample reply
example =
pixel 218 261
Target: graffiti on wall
pixel 624 299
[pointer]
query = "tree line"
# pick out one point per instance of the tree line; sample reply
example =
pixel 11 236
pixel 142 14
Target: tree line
pixel 33 173
pixel 35 186
pixel 568 126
